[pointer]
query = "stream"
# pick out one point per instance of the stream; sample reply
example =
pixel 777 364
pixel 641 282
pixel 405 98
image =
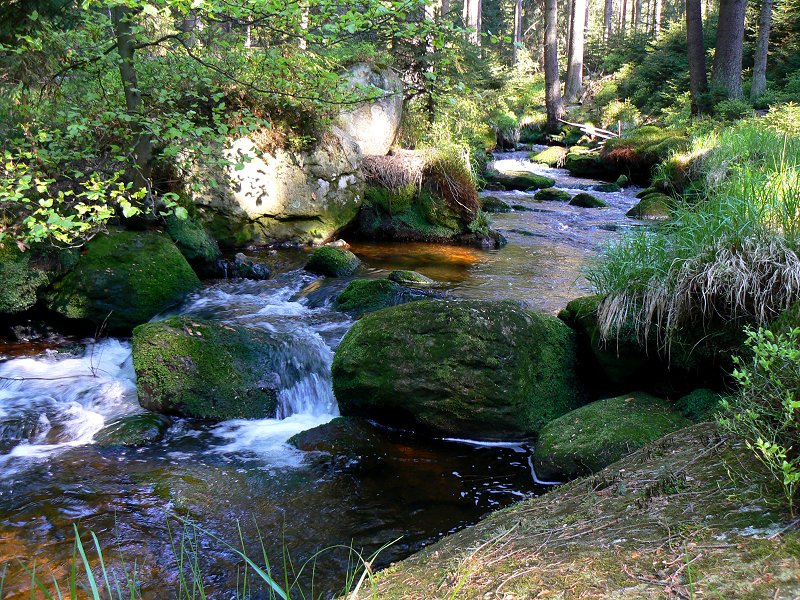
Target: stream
pixel 208 489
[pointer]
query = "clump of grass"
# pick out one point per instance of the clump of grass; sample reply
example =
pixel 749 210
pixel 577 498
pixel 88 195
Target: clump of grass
pixel 732 257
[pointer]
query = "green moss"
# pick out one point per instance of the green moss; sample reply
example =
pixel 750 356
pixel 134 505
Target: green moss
pixel 344 436
pixel 552 194
pixel 332 262
pixel 521 180
pixel 606 187
pixel 391 201
pixel 368 295
pixel 639 150
pixel 653 207
pixel 133 430
pixel 700 405
pixel 124 279
pixel 229 232
pixel 197 368
pixel 411 278
pixel 623 181
pixel 25 275
pixel 552 157
pixel 646 192
pixel 587 439
pixel 587 201
pixel 471 368
pixel 192 240
pixel 584 162
pixel 490 204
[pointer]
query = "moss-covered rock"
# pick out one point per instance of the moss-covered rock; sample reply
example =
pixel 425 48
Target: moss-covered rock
pixel 491 204
pixel 209 370
pixel 700 405
pixel 584 162
pixel 193 241
pixel 368 295
pixel 466 368
pixel 411 278
pixel 623 181
pixel 552 157
pixel 584 200
pixel 552 194
pixel 646 192
pixel 134 430
pixel 592 437
pixel 124 279
pixel 653 207
pixel 639 150
pixel 606 187
pixel 331 261
pixel 344 436
pixel 25 275
pixel 520 180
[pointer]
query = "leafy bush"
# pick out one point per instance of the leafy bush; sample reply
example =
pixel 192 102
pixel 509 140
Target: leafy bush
pixel 733 109
pixel 766 412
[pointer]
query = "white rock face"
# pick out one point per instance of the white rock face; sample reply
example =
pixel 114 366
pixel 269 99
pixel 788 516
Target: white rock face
pixel 374 125
pixel 281 196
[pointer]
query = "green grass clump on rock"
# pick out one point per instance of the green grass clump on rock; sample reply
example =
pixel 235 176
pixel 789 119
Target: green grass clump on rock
pixel 478 369
pixel 368 295
pixel 197 368
pixel 125 278
pixel 332 262
pixel 587 439
pixel 552 194
pixel 584 200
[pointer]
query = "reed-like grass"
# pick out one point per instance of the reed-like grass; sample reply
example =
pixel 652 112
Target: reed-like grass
pixel 732 256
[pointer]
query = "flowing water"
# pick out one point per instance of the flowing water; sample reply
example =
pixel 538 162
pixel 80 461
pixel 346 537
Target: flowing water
pixel 238 480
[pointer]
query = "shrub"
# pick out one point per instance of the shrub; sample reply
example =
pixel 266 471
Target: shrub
pixel 733 109
pixel 623 111
pixel 766 412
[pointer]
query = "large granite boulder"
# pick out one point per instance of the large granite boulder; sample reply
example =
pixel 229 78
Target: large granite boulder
pixel 373 124
pixel 283 195
pixel 123 279
pixel 474 369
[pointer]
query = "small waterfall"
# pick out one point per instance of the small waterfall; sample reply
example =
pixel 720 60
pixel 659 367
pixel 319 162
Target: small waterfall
pixel 57 401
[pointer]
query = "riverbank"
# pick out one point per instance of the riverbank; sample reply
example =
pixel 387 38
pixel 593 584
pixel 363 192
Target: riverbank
pixel 689 516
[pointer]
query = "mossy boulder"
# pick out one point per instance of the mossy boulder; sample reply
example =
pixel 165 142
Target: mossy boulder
pixel 209 370
pixel 491 204
pixel 552 194
pixel 646 192
pixel 606 188
pixel 368 295
pixel 411 278
pixel 476 369
pixel 134 430
pixel 331 261
pixel 639 150
pixel 623 181
pixel 25 275
pixel 343 436
pixel 592 437
pixel 584 200
pixel 520 180
pixel 193 241
pixel 584 162
pixel 124 279
pixel 552 157
pixel 653 207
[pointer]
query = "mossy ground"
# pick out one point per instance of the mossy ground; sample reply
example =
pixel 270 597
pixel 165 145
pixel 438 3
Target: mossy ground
pixel 196 368
pixel 689 516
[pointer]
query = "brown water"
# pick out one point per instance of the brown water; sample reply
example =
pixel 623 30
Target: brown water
pixel 238 482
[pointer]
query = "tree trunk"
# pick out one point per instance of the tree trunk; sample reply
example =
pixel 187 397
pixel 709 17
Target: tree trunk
pixel 517 31
pixel 142 166
pixel 698 82
pixel 728 55
pixel 637 15
pixel 623 16
pixel 472 20
pixel 445 8
pixel 553 102
pixel 574 83
pixel 759 83
pixel 657 17
pixel 607 12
